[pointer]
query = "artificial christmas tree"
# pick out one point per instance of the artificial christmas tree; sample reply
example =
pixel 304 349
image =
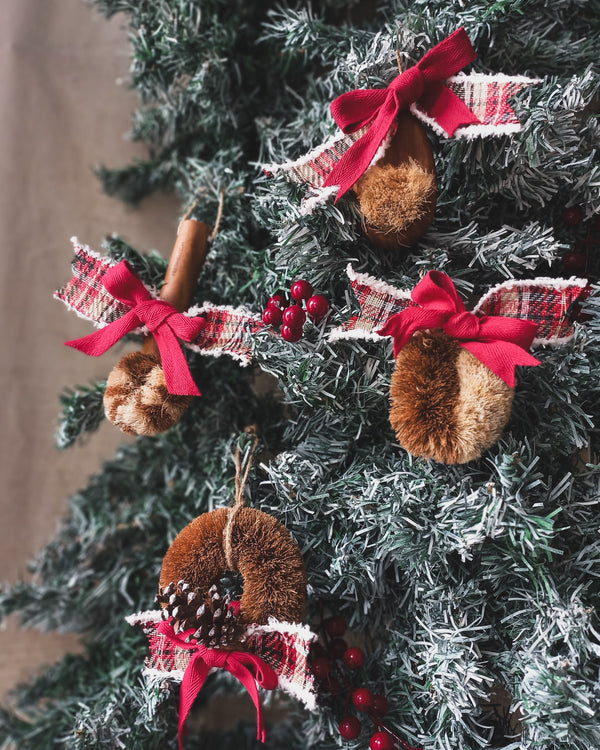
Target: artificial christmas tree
pixel 473 589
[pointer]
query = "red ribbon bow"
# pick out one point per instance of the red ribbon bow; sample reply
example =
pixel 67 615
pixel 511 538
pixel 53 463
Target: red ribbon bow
pixel 423 83
pixel 163 320
pixel 247 668
pixel 499 342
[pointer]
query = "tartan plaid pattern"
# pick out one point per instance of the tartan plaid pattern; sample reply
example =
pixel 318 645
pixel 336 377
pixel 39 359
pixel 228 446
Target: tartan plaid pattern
pixel 228 330
pixel 378 302
pixel 487 96
pixel 285 650
pixel 164 655
pixel 85 294
pixel 547 302
pixel 315 166
pixel 287 653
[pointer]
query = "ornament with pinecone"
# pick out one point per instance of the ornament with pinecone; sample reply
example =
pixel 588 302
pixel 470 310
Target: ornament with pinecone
pixel 215 620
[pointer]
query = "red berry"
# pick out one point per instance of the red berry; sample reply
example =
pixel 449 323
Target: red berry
pixel 362 698
pixel 574 262
pixel 278 300
pixel 349 727
pixel 301 289
pixel 380 705
pixel 335 626
pixel 291 334
pixel 354 658
pixel 337 648
pixel 235 606
pixel 381 741
pixel 317 307
pixel 571 216
pixel 294 316
pixel 321 667
pixel 272 316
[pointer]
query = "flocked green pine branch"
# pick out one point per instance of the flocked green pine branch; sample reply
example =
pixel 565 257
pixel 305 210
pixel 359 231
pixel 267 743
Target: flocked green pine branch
pixel 463 582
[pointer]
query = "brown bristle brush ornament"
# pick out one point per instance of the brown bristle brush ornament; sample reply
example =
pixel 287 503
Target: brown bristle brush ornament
pixel 258 639
pixel 149 390
pixel 383 155
pixel 398 195
pixel 137 398
pixel 445 403
pixel 453 384
pixel 246 541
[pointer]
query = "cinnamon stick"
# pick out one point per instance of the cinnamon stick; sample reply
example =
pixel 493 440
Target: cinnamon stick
pixel 186 262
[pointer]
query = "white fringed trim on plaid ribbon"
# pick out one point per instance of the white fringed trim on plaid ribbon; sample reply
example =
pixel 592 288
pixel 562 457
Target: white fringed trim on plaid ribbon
pixel 546 301
pixel 283 646
pixel 228 330
pixel 487 96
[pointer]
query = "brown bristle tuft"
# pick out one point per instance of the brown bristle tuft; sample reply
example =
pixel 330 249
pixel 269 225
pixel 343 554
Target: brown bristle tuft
pixel 137 400
pixel 423 392
pixel 392 198
pixel 446 404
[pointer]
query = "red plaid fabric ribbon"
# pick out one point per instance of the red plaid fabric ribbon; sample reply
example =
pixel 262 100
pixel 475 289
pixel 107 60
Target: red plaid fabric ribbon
pixel 283 646
pixel 226 330
pixel 378 301
pixel 546 302
pixel 378 108
pixel 85 293
pixel 488 97
pixel 248 668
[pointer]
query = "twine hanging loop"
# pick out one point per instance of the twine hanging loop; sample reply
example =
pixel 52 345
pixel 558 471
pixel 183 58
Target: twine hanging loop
pixel 242 470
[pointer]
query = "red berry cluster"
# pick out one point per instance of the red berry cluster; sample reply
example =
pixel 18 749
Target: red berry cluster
pixel 293 316
pixel 328 664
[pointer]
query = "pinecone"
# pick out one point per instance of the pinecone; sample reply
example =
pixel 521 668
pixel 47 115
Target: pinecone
pixel 216 624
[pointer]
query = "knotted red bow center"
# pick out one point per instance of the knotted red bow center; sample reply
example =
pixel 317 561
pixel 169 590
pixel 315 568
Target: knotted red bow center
pixel 214 657
pixel 122 283
pixel 498 342
pixel 248 668
pixel 464 326
pixel 408 87
pixel 153 313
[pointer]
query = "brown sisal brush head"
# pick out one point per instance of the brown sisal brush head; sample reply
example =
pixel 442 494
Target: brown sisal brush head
pixel 136 398
pixel 445 403
pixel 392 198
pixel 263 552
pixel 398 194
